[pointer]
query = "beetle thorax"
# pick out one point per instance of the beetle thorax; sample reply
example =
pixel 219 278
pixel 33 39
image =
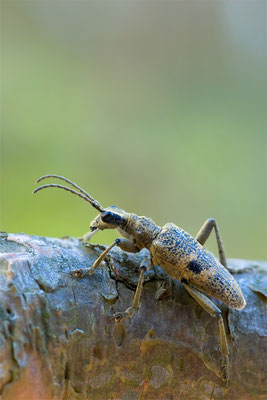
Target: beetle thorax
pixel 140 230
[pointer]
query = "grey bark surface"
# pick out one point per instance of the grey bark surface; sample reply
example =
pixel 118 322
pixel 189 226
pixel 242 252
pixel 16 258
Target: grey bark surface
pixel 58 339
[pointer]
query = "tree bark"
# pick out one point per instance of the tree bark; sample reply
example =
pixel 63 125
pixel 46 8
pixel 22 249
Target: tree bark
pixel 58 339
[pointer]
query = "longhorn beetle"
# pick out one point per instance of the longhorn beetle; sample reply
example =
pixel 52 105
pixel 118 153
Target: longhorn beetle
pixel 181 256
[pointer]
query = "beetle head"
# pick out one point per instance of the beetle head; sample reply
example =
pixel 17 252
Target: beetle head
pixel 110 218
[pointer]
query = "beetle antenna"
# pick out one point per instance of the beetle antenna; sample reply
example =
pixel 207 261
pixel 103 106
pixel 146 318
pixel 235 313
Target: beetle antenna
pixel 66 180
pixel 88 198
pixel 92 201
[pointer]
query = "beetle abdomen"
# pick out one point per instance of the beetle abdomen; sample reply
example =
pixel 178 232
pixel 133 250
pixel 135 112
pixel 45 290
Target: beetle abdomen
pixel 184 258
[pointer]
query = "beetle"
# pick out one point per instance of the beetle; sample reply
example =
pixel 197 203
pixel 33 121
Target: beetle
pixel 179 254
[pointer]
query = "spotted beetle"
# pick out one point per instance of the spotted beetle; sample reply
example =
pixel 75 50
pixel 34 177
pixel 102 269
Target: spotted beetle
pixel 180 255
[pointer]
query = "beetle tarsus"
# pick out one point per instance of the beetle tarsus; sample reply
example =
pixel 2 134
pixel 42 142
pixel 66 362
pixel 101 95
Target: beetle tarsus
pixel 225 370
pixel 79 273
pixel 122 315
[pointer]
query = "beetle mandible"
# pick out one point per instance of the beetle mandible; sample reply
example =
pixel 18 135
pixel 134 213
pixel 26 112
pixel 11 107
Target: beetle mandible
pixel 180 255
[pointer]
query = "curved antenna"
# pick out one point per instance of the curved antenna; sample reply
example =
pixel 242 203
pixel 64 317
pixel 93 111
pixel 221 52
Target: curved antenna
pixel 66 180
pixel 88 198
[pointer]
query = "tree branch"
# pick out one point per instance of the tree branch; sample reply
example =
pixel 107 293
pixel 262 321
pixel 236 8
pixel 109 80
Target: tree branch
pixel 59 341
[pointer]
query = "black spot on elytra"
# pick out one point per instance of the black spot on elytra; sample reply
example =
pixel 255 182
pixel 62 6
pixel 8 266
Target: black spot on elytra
pixel 183 280
pixel 195 267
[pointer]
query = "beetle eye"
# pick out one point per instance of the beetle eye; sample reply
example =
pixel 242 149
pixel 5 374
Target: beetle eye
pixel 107 217
pixel 112 218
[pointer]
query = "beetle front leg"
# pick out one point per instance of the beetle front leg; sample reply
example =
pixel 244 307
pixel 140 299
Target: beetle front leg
pixel 88 235
pixel 119 316
pixel 204 233
pixel 215 312
pixel 124 244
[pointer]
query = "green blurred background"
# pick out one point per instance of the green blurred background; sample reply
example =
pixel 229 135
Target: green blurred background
pixel 156 107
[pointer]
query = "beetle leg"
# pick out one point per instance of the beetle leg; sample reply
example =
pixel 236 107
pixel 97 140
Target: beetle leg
pixel 215 312
pixel 204 233
pixel 88 236
pixel 127 245
pixel 124 244
pixel 119 316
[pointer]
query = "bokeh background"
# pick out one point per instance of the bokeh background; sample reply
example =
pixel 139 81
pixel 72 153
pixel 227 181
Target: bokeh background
pixel 157 107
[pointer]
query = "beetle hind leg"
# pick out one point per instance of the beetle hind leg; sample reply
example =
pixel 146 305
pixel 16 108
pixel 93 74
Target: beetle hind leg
pixel 205 232
pixel 215 312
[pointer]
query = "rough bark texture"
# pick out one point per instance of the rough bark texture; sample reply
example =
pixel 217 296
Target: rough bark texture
pixel 58 339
